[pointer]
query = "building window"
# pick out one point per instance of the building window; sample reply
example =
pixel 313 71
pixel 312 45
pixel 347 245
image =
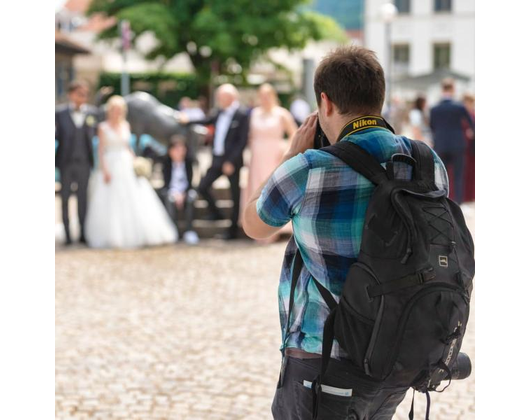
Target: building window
pixel 442 56
pixel 442 5
pixel 401 60
pixel 402 6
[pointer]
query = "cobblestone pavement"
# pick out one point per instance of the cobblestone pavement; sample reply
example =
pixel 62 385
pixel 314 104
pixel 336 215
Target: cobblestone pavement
pixel 188 333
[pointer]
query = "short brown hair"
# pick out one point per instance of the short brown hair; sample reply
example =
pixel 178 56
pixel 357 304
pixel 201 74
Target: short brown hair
pixel 77 84
pixel 468 97
pixel 448 84
pixel 353 80
pixel 177 140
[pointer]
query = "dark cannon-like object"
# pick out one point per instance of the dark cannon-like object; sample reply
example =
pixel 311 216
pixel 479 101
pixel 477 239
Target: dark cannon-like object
pixel 147 115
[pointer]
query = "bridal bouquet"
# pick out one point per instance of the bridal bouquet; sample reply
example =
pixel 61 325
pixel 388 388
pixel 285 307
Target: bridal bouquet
pixel 142 167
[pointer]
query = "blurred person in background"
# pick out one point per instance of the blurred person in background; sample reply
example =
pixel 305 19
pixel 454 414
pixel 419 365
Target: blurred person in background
pixel 398 115
pixel 191 108
pixel 231 121
pixel 446 121
pixel 75 126
pixel 469 177
pixel 300 109
pixel 178 193
pixel 124 210
pixel 269 123
pixel 419 121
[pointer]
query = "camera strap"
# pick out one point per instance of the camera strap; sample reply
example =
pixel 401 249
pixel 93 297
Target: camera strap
pixel 364 123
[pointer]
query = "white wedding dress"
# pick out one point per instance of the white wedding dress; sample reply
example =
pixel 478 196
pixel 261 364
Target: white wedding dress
pixel 126 212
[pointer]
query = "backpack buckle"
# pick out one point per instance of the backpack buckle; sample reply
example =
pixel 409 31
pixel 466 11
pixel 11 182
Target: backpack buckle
pixel 426 275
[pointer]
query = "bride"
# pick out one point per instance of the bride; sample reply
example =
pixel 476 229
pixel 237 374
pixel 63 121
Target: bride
pixel 123 210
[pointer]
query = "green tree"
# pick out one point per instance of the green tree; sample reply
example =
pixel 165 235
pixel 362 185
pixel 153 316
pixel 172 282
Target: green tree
pixel 224 36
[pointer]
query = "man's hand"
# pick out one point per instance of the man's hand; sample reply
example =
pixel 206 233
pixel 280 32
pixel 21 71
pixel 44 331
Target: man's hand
pixel 304 137
pixel 106 177
pixel 180 199
pixel 302 140
pixel 228 168
pixel 182 118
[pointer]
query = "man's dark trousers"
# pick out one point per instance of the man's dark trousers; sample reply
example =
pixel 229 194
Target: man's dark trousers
pixel 455 162
pixel 213 174
pixel 78 172
pixel 293 400
pixel 173 211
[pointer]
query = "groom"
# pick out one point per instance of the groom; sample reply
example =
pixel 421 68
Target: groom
pixel 75 126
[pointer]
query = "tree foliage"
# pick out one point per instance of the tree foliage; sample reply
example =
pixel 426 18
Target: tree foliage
pixel 226 35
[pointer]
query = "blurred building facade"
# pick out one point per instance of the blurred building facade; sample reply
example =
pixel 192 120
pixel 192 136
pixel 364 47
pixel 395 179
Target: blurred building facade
pixel 106 56
pixel 65 52
pixel 429 40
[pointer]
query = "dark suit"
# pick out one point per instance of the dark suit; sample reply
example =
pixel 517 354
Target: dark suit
pixel 234 144
pixel 449 139
pixel 167 168
pixel 74 158
pixel 191 195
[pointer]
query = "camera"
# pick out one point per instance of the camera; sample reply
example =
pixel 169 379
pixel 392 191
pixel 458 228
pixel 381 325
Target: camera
pixel 461 369
pixel 320 138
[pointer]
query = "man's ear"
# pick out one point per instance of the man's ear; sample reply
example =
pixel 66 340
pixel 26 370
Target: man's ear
pixel 327 105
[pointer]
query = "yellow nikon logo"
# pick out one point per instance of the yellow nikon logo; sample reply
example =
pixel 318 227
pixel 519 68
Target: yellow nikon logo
pixel 363 123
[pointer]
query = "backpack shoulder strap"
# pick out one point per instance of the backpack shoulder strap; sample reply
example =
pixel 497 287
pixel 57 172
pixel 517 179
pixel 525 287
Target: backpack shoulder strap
pixel 298 263
pixel 425 158
pixel 297 270
pixel 328 333
pixel 359 160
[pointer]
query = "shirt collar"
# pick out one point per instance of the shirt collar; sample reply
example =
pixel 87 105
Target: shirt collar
pixel 377 141
pixel 82 108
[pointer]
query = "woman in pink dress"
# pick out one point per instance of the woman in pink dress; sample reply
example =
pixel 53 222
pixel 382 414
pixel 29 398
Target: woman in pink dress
pixel 269 123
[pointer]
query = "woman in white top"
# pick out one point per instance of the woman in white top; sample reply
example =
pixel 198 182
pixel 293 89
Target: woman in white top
pixel 123 209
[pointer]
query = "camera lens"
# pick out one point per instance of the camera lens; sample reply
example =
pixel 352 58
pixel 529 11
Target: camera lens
pixel 462 367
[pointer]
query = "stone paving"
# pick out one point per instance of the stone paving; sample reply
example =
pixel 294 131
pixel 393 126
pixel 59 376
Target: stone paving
pixel 187 333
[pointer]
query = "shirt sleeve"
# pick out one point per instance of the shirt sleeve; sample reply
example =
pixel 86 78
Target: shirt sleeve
pixel 282 196
pixel 440 174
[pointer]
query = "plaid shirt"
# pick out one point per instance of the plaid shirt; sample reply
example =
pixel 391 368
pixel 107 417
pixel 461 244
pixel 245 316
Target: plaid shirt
pixel 326 201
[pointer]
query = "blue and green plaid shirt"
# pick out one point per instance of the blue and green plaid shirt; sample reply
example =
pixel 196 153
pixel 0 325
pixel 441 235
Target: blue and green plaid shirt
pixel 326 201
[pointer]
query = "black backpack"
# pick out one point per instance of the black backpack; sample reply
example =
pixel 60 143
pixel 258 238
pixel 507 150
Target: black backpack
pixel 404 307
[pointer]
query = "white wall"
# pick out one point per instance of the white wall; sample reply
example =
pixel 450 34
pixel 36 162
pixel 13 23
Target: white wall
pixel 421 29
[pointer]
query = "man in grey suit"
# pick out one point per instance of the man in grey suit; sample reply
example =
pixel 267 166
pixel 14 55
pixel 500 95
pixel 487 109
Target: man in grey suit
pixel 75 126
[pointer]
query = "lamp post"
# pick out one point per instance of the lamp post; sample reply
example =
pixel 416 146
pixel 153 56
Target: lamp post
pixel 125 34
pixel 388 13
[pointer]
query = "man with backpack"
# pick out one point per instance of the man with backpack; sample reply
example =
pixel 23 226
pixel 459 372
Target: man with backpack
pixel 324 262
